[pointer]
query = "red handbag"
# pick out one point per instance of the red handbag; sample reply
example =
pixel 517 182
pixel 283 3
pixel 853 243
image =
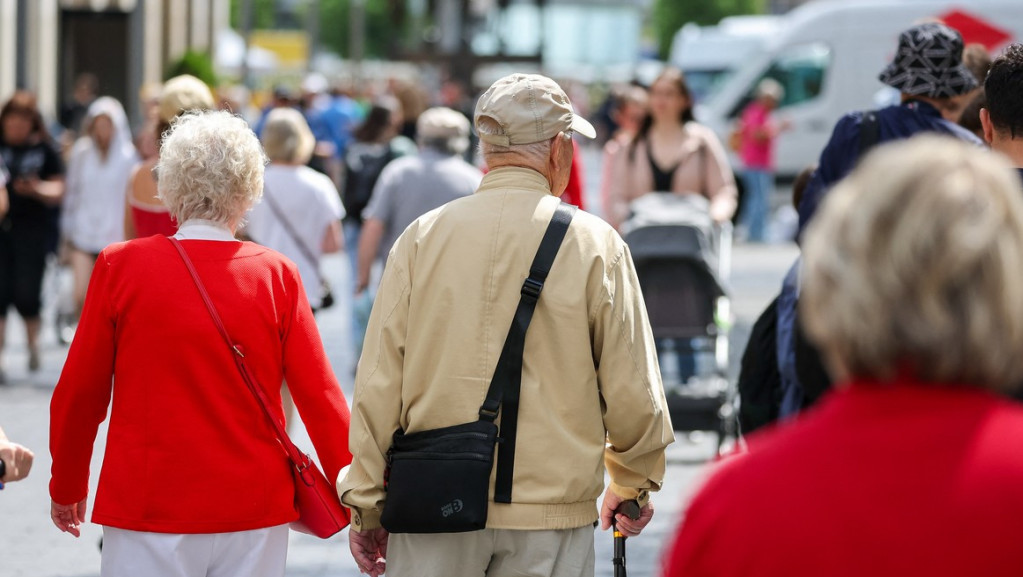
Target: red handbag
pixel 320 511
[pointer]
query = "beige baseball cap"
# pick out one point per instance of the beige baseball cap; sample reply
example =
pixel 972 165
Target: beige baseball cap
pixel 529 108
pixel 184 93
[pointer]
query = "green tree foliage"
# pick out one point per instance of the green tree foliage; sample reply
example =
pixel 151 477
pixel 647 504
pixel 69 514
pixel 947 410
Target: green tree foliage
pixel 670 15
pixel 383 32
pixel 198 64
pixel 264 13
pixel 383 28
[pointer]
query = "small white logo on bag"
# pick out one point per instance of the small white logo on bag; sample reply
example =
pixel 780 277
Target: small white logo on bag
pixel 451 508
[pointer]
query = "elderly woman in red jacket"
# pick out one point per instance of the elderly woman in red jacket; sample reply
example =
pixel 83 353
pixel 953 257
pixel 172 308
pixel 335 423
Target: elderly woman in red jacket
pixel 194 480
pixel 912 290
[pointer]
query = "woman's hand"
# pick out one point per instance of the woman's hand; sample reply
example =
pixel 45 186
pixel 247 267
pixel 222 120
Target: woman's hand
pixel 68 518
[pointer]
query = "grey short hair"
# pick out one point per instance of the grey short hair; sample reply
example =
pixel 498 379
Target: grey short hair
pixel 211 167
pixel 912 264
pixel 451 146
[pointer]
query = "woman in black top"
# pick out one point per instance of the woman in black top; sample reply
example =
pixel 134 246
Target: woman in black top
pixel 29 230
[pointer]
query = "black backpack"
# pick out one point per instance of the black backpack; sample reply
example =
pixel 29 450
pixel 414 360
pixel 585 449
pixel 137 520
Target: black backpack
pixel 363 165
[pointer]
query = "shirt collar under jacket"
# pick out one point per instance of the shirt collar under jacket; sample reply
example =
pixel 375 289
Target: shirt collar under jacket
pixel 514 177
pixel 198 229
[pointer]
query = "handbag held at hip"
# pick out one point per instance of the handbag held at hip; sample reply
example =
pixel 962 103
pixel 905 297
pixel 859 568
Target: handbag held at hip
pixel 320 511
pixel 438 480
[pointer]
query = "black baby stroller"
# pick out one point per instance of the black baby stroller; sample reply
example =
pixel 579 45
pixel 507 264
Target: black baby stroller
pixel 682 259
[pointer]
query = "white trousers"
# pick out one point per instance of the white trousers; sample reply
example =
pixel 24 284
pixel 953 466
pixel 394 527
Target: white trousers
pixel 493 553
pixel 257 553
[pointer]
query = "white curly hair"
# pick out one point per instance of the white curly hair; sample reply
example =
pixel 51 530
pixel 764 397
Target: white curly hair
pixel 211 168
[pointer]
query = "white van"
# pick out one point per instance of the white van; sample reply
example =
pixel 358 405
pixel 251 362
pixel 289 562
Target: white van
pixel 828 55
pixel 709 55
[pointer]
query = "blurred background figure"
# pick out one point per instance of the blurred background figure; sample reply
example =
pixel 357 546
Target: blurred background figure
pixel 300 213
pixel 757 134
pixel 671 153
pixel 29 231
pixel 236 99
pixel 147 140
pixel 628 109
pixel 72 114
pixel 413 102
pixel 977 59
pixel 100 166
pixel 145 214
pixel 412 186
pixel 340 117
pixel 376 142
pixel 911 290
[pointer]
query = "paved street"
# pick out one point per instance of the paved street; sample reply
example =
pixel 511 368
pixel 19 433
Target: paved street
pixel 31 547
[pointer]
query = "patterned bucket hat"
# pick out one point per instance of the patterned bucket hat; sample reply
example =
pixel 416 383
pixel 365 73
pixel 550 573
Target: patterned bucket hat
pixel 929 62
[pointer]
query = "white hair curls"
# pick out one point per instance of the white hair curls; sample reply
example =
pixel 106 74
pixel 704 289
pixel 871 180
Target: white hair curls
pixel 211 168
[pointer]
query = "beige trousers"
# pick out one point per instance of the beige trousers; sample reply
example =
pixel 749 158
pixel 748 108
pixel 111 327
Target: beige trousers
pixel 493 553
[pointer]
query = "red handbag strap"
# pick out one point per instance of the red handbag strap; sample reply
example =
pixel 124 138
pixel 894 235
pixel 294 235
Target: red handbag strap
pixel 300 460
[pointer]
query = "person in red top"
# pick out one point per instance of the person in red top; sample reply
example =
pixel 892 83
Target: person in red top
pixel 911 467
pixel 194 480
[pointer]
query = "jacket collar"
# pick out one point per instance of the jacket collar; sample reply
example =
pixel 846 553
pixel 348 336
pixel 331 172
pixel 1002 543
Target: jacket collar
pixel 925 108
pixel 514 177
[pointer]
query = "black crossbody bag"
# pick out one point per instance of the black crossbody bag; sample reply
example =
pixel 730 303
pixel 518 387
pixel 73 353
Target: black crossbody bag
pixel 438 481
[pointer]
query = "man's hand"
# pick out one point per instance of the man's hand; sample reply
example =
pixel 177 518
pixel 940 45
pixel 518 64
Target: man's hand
pixel 369 548
pixel 17 461
pixel 68 518
pixel 626 526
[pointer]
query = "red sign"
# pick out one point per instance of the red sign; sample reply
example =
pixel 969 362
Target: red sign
pixel 976 30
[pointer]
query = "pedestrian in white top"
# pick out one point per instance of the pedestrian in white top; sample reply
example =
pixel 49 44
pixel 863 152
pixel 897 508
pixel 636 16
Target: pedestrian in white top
pixel 101 163
pixel 300 213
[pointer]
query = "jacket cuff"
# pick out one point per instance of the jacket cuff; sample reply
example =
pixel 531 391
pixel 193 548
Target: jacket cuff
pixel 364 520
pixel 641 496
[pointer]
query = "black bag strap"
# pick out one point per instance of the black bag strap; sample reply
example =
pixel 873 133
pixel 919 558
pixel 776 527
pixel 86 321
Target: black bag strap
pixel 503 394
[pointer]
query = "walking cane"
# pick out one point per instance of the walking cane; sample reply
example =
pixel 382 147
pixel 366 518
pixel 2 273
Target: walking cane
pixel 631 510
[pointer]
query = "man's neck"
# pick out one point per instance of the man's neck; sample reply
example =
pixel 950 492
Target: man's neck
pixel 1012 148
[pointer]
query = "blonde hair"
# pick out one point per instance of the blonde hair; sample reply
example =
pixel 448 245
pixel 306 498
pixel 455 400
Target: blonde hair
pixel 912 265
pixel 211 167
pixel 287 137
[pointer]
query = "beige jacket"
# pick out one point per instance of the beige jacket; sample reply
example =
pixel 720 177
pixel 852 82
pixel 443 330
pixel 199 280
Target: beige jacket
pixel 708 174
pixel 591 391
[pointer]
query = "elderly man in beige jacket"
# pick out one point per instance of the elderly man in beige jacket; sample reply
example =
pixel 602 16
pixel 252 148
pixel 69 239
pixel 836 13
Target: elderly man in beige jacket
pixel 591 394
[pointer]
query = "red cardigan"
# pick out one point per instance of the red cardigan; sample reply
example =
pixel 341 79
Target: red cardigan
pixel 881 480
pixel 188 449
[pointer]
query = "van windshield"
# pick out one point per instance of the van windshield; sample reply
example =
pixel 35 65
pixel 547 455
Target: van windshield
pixel 703 83
pixel 800 69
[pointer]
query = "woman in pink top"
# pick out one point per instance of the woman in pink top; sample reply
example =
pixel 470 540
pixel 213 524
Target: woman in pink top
pixel 757 153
